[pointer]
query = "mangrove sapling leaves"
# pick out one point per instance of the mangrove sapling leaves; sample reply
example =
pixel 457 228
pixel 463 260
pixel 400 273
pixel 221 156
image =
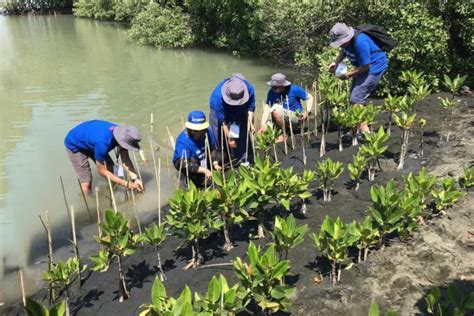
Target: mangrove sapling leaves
pixel 404 121
pixel 467 180
pixel 231 198
pixel 453 85
pixel 154 236
pixel 263 276
pixel 385 212
pixel 367 236
pixel 356 168
pixel 327 171
pixel 333 240
pixel 191 213
pixel 446 194
pixel 354 117
pixel 260 181
pixel 34 308
pixel 286 235
pixel 420 185
pixel 410 205
pixel 290 186
pixel 117 242
pixel 374 310
pixel 449 105
pixel 453 303
pixel 376 146
pixel 266 140
pixel 220 299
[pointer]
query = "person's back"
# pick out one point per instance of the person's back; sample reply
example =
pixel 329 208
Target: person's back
pixel 365 51
pixel 90 134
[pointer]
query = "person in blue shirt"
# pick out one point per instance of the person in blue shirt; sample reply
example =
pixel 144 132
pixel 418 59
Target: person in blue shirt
pixel 94 140
pixel 285 100
pixel 232 107
pixel 369 60
pixel 190 156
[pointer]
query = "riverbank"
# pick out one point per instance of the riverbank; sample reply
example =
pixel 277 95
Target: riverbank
pixel 397 277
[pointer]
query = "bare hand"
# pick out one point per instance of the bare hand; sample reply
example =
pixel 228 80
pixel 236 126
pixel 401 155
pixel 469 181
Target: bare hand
pixel 262 129
pixel 252 128
pixel 216 166
pixel 304 116
pixel 208 174
pixel 232 143
pixel 343 77
pixel 136 185
pixel 332 67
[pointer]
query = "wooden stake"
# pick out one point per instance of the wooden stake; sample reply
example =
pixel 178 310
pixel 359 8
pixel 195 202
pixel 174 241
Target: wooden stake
pixel 291 126
pixel 22 284
pixel 170 138
pixel 182 122
pixel 284 136
pixel 85 200
pixel 151 122
pixel 247 140
pixel 302 143
pixel 47 227
pixel 159 191
pixel 179 173
pixel 157 179
pixel 112 196
pixel 187 168
pixel 228 149
pixel 222 150
pixel 64 196
pixel 134 202
pixel 135 161
pixel 97 204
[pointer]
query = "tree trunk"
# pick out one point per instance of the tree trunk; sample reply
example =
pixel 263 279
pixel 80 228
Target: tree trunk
pixel 339 269
pixel 303 207
pixel 160 267
pixel 359 256
pixel 404 149
pixel 227 242
pixel 197 258
pixel 449 124
pixel 339 137
pixel 354 136
pixel 68 311
pixel 334 272
pixel 389 129
pixel 124 294
pixel 366 252
pixel 357 185
pixel 322 148
pixel 420 147
pixel 371 170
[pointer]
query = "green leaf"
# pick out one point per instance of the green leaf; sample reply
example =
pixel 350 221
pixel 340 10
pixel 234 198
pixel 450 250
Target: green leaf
pixel 373 309
pixel 214 290
pixel 454 296
pixel 469 302
pixel 58 309
pixel 34 308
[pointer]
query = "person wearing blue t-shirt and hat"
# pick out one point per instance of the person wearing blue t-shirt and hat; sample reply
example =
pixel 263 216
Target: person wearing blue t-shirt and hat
pixel 94 140
pixel 190 150
pixel 365 55
pixel 285 99
pixel 232 107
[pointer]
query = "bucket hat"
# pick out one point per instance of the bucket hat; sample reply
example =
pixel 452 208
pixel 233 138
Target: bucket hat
pixel 340 34
pixel 234 91
pixel 127 137
pixel 196 121
pixel 278 80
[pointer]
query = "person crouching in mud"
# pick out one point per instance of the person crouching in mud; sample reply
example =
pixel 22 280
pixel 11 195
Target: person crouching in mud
pixel 190 155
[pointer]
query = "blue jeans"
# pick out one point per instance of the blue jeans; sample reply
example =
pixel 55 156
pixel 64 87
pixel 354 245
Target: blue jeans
pixel 363 85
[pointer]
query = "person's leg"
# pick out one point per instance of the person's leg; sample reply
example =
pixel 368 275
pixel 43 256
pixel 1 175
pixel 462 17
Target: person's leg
pixel 280 119
pixel 80 163
pixel 362 86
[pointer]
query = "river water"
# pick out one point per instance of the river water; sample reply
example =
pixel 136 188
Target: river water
pixel 56 71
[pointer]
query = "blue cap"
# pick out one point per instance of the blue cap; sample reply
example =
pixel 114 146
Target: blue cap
pixel 196 121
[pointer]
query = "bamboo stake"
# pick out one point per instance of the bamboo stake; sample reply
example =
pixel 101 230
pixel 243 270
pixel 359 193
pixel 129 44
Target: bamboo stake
pixel 252 140
pixel 159 191
pixel 285 137
pixel 228 150
pixel 85 200
pixel 206 162
pixel 98 210
pixel 222 150
pixel 74 241
pixel 134 202
pixel 168 164
pixel 151 122
pixel 182 122
pixel 138 169
pixel 187 168
pixel 247 140
pixel 64 196
pixel 22 285
pixel 157 179
pixel 170 138
pixel 291 126
pixel 207 148
pixel 179 172
pixel 47 227
pixel 112 196
pixel 302 144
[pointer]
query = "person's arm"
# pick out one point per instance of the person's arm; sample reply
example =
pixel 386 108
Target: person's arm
pixel 251 107
pixel 357 71
pixel 251 121
pixel 102 170
pixel 128 164
pixel 362 52
pixel 340 57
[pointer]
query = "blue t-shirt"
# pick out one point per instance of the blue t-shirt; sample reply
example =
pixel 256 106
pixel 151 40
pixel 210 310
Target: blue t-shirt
pixel 295 94
pixel 192 148
pixel 365 51
pixel 94 138
pixel 227 112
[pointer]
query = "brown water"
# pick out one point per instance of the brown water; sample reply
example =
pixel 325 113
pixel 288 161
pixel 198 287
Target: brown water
pixel 58 71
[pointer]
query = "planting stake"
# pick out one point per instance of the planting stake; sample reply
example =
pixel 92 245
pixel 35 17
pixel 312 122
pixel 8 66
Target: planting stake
pixel 98 210
pixel 160 266
pixel 168 164
pixel 74 242
pixel 22 284
pixel 47 227
pixel 179 172
pixel 112 194
pixel 85 201
pixel 159 191
pixel 64 196
pixel 247 140
pixel 223 264
pixel 134 202
pixel 252 140
pixel 292 136
pixel 302 143
pixel 187 168
pixel 157 179
pixel 151 122
pixel 228 150
pixel 207 148
pixel 138 169
pixel 171 139
pixel 284 137
pixel 222 152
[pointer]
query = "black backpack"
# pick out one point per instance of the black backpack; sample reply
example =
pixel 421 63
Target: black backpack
pixel 378 35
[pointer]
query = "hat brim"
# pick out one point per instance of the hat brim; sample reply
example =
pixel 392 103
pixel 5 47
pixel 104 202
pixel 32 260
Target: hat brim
pixel 343 40
pixel 286 84
pixel 197 127
pixel 119 135
pixel 244 99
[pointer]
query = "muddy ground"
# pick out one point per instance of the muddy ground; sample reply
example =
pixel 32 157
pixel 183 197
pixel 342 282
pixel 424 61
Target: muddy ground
pixel 397 277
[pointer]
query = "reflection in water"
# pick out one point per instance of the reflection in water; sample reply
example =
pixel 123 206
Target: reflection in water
pixel 58 71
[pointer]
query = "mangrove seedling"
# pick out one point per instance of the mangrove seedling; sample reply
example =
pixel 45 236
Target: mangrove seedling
pixel 333 240
pixel 230 200
pixel 263 276
pixel 286 235
pixel 392 106
pixel 420 186
pixel 154 236
pixel 454 303
pixel 291 186
pixel 411 211
pixel 33 308
pixel 326 172
pixel 446 194
pixel 220 300
pixel 418 88
pixel 449 105
pixel 374 310
pixel 405 122
pixel 191 215
pixel 62 275
pixel 356 168
pixel 162 304
pixel 467 180
pixel 267 140
pixel 375 147
pixel 367 236
pixel 421 124
pixel 339 117
pixel 453 85
pixel 385 212
pixel 326 84
pixel 117 242
pixel 260 180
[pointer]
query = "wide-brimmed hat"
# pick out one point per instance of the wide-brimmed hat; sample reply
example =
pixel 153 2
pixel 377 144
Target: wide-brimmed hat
pixel 196 121
pixel 127 137
pixel 234 91
pixel 278 80
pixel 340 34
